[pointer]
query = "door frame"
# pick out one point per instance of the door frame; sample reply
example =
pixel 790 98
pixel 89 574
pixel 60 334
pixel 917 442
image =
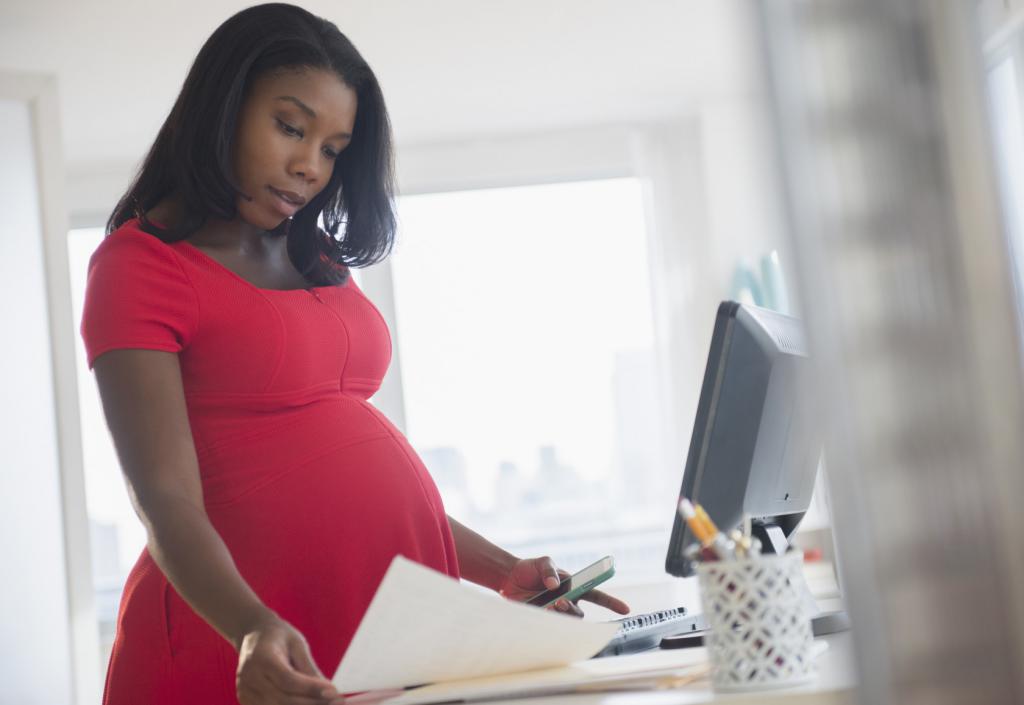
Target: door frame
pixel 38 92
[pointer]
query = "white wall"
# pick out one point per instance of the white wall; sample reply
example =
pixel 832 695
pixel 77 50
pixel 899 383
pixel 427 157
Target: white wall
pixel 49 623
pixel 36 665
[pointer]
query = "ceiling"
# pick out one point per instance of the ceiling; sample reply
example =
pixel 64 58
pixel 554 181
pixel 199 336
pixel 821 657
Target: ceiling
pixel 450 69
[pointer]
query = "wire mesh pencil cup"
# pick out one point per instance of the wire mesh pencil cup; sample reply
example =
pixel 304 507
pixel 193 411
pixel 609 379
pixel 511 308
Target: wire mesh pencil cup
pixel 760 630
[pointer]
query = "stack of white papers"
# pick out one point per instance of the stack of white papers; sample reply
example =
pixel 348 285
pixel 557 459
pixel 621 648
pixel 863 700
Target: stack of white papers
pixel 424 627
pixel 651 670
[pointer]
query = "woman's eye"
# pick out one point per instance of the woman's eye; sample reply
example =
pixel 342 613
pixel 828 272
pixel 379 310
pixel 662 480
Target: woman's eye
pixel 330 154
pixel 288 129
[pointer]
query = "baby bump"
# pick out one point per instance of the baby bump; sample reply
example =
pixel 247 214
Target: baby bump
pixel 243 444
pixel 315 542
pixel 371 490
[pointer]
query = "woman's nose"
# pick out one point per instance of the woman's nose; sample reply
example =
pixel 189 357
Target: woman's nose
pixel 305 164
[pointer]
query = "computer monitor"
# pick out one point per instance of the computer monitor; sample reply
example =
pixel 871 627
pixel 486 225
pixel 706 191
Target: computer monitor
pixel 756 439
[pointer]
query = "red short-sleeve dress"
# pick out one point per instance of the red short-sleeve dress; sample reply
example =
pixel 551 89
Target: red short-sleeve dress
pixel 313 490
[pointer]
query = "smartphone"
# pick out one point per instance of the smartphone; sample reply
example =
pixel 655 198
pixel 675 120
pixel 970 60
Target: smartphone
pixel 575 585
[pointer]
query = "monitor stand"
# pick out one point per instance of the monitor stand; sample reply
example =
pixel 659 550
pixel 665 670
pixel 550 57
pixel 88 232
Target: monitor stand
pixel 773 540
pixel 772 537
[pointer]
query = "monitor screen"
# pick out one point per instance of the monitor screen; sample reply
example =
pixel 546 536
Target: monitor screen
pixel 756 439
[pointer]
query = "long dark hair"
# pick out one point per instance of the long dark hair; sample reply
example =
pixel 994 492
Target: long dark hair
pixel 191 156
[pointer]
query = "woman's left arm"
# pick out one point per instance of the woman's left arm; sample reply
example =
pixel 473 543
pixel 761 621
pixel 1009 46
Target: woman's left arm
pixel 484 563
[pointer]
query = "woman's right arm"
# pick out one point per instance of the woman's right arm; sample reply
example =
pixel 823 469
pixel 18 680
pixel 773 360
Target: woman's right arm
pixel 144 403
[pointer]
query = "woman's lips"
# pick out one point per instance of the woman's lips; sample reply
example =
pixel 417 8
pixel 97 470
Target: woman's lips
pixel 288 202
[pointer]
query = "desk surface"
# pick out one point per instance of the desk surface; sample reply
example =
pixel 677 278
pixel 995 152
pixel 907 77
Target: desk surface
pixel 834 686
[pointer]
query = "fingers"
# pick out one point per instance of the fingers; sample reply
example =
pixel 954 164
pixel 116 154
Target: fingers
pixel 275 686
pixel 279 685
pixel 607 601
pixel 302 661
pixel 290 682
pixel 568 607
pixel 267 695
pixel 597 597
pixel 548 573
pixel 283 675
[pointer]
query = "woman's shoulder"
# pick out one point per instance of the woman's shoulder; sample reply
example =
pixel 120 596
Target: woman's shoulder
pixel 139 261
pixel 137 295
pixel 129 244
pixel 132 230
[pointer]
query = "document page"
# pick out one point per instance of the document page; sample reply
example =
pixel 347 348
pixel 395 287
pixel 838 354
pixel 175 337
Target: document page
pixel 651 670
pixel 424 627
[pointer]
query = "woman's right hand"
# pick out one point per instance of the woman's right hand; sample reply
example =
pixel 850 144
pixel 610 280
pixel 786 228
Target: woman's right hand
pixel 275 667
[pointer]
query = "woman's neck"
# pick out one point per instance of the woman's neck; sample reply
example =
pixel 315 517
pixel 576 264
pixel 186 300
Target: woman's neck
pixel 234 236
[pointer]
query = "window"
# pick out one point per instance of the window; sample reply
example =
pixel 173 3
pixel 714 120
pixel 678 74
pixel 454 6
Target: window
pixel 1008 136
pixel 116 534
pixel 528 361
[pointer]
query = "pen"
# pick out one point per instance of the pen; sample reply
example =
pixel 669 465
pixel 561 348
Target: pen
pixel 705 530
pixel 695 552
pixel 741 542
pixel 697 528
pixel 751 544
pixel 725 548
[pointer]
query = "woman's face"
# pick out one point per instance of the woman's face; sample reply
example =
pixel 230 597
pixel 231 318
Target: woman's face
pixel 291 128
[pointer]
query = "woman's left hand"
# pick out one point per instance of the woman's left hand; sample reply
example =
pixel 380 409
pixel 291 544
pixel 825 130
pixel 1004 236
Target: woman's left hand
pixel 532 575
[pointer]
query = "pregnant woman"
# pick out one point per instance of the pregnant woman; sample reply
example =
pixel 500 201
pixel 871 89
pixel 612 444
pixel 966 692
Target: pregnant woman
pixel 235 355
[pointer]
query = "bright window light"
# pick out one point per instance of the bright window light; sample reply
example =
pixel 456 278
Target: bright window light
pixel 531 388
pixel 1008 134
pixel 116 534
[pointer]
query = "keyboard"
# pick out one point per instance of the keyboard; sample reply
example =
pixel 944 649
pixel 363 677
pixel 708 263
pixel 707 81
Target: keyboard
pixel 645 631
